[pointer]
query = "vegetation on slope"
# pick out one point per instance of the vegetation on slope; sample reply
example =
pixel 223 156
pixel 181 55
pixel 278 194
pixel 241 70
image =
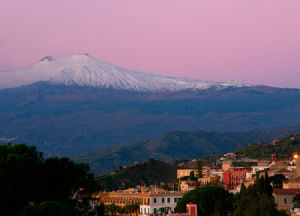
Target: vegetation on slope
pixel 257 199
pixel 285 147
pixel 177 146
pixel 65 120
pixel 146 173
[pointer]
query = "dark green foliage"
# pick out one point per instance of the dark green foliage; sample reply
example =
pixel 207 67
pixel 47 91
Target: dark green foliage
pixel 26 177
pixel 210 200
pixel 146 173
pixel 177 146
pixel 51 208
pixel 127 209
pixel 257 199
pixel 200 164
pixel 192 175
pixel 277 180
pixel 285 148
pixel 297 201
pixel 100 210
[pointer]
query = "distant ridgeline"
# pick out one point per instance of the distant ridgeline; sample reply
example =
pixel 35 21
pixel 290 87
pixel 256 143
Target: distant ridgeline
pixel 181 145
pixel 156 172
pixel 284 147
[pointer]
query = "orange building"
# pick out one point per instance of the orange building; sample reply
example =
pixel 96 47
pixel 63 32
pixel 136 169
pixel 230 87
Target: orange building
pixel 235 175
pixel 122 199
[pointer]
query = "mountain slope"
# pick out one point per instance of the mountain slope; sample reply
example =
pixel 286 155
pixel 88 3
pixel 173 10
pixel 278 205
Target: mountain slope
pixel 74 104
pixel 283 148
pixel 179 145
pixel 64 120
pixel 84 70
pixel 151 172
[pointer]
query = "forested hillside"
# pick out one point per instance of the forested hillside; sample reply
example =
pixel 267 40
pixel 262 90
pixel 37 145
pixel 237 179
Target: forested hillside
pixel 146 173
pixel 284 147
pixel 178 145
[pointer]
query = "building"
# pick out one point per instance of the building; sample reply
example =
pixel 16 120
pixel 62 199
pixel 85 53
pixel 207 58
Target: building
pixel 230 156
pixel 153 202
pixel 235 175
pixel 214 180
pixel 186 172
pixel 161 203
pixel 284 198
pixel 191 209
pixel 290 188
pixel 187 185
pixel 273 159
pixel 294 182
pixel 217 173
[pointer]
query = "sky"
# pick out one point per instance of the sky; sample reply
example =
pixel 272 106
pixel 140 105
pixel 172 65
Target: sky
pixel 252 41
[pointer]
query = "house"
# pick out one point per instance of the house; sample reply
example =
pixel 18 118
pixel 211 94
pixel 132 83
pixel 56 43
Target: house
pixel 235 175
pixel 187 185
pixel 186 172
pixel 161 203
pixel 151 202
pixel 284 198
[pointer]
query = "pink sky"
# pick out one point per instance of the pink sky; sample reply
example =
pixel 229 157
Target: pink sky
pixel 254 41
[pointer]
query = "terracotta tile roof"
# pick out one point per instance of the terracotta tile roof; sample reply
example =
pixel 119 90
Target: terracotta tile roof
pixel 277 191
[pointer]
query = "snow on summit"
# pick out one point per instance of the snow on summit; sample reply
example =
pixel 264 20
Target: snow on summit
pixel 84 70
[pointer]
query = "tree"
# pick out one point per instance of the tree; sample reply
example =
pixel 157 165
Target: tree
pixel 26 177
pixel 132 209
pixel 210 200
pixel 277 180
pixel 200 164
pixel 100 210
pixel 49 209
pixel 257 199
pixel 192 175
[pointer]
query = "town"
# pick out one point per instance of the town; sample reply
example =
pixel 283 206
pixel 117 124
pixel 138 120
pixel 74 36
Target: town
pixel 226 172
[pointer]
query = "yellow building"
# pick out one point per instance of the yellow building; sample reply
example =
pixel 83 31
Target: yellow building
pixel 149 202
pixel 122 199
pixel 186 172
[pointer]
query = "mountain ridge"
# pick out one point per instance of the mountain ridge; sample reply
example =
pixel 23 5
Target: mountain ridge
pixel 84 70
pixel 179 145
pixel 63 120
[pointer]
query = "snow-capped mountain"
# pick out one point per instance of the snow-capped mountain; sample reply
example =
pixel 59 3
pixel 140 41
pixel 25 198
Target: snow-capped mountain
pixel 84 70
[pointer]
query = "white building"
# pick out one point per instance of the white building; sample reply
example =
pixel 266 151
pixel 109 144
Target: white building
pixel 161 203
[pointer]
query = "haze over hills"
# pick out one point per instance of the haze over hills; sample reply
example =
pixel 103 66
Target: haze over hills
pixel 179 145
pixel 74 104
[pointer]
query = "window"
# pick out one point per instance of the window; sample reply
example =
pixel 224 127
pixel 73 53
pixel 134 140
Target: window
pixel 163 200
pixel 284 200
pixel 175 200
pixel 169 200
pixel 154 210
pixel 148 201
pixel 154 200
pixel 145 211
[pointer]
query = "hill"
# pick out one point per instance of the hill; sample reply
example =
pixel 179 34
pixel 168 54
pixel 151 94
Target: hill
pixel 284 147
pixel 146 173
pixel 178 145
